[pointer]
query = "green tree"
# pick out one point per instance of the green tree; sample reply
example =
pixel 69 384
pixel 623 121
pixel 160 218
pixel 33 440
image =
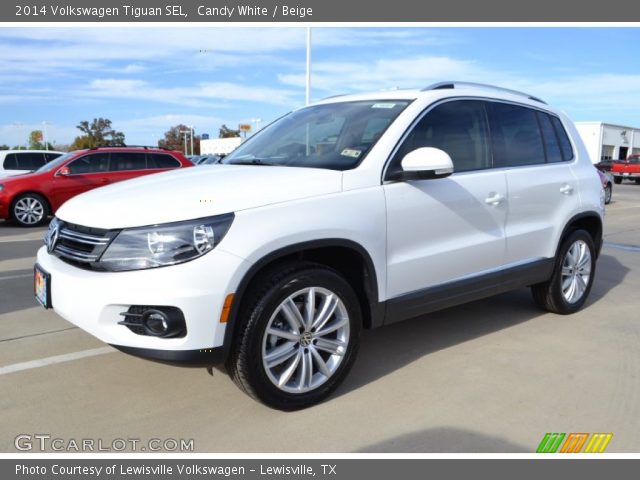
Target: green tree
pixel 226 132
pixel 174 140
pixel 36 141
pixel 98 133
pixel 4 147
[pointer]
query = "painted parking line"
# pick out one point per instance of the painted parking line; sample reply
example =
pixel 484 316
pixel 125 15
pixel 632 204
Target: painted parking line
pixel 623 246
pixel 13 277
pixel 44 362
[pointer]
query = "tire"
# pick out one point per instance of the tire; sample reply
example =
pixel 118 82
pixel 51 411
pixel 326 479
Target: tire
pixel 551 295
pixel 637 181
pixel 29 210
pixel 282 384
pixel 617 180
pixel 607 194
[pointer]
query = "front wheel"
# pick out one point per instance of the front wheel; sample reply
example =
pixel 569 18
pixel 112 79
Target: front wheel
pixel 298 338
pixel 617 180
pixel 30 210
pixel 572 277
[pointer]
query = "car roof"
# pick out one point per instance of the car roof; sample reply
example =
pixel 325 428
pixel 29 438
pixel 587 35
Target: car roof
pixel 442 90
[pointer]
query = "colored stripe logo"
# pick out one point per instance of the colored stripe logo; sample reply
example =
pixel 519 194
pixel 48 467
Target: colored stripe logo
pixel 573 442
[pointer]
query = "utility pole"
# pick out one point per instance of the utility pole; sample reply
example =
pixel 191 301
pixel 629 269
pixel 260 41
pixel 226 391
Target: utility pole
pixel 191 133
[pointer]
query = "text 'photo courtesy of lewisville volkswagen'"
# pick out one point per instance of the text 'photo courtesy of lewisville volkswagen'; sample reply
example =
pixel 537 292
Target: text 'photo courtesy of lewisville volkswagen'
pixel 278 279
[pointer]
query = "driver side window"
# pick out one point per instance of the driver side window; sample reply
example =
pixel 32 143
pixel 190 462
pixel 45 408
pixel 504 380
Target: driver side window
pixel 96 163
pixel 459 128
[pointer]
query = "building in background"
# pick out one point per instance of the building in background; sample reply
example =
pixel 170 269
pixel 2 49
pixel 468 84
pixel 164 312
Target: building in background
pixel 606 141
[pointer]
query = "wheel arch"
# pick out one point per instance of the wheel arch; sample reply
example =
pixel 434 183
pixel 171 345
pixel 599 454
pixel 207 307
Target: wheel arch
pixel 590 221
pixel 349 258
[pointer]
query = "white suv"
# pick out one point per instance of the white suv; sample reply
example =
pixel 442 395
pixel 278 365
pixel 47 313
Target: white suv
pixel 355 212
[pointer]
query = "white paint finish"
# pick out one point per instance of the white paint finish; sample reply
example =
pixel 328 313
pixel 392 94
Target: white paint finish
pixel 195 193
pixel 441 230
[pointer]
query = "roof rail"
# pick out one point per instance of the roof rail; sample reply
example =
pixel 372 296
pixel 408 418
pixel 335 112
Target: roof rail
pixel 454 84
pixel 145 147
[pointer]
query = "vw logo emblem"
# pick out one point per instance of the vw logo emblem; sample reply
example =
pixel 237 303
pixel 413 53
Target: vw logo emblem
pixel 52 238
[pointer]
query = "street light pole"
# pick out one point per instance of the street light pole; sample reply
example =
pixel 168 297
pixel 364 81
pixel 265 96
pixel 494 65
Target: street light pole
pixel 184 132
pixel 191 133
pixel 308 82
pixel 44 134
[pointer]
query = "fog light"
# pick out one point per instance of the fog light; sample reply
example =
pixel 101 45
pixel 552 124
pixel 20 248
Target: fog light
pixel 155 322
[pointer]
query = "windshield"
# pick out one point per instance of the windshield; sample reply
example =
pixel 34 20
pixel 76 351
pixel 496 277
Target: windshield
pixel 47 167
pixel 335 136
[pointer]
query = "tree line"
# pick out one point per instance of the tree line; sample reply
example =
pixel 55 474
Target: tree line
pixel 100 133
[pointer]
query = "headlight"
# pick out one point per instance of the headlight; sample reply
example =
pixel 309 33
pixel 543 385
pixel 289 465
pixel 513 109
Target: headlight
pixel 166 244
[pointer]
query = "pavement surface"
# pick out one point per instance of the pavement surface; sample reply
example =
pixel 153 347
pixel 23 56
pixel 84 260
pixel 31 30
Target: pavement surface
pixel 491 376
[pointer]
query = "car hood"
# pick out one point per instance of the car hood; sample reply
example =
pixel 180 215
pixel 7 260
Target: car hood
pixel 194 193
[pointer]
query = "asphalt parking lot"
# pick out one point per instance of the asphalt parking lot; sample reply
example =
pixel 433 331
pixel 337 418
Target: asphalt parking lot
pixel 491 376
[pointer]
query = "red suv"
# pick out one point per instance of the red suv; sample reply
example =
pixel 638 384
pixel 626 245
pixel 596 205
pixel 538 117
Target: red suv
pixel 30 198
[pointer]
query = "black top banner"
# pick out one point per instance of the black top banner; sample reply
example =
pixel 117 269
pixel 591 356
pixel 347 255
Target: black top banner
pixel 230 11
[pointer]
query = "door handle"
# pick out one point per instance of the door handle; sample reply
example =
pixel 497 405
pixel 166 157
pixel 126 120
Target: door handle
pixel 494 199
pixel 566 189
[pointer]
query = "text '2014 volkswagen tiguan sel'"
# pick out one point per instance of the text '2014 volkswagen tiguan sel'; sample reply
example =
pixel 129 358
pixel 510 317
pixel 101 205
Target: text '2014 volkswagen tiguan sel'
pixel 355 212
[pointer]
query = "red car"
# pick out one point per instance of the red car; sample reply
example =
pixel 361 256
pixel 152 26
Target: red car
pixel 30 198
pixel 628 169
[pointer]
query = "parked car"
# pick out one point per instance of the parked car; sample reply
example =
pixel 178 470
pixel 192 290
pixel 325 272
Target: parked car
pixel 209 159
pixel 29 199
pixel 355 212
pixel 628 169
pixel 605 165
pixel 15 162
pixel 607 186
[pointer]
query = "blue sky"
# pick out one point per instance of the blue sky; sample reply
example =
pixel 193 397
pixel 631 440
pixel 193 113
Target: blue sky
pixel 148 79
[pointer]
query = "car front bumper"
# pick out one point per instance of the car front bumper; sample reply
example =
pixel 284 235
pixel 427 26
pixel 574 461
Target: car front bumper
pixel 94 302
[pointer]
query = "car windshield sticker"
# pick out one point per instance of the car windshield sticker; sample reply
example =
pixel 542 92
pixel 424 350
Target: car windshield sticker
pixel 383 105
pixel 348 152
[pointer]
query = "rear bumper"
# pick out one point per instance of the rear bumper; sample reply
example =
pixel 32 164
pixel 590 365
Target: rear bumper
pixel 626 174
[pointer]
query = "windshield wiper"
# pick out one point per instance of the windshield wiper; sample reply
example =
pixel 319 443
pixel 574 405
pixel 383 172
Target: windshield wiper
pixel 250 161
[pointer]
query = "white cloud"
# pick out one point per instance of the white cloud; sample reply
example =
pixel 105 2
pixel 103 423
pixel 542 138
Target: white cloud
pixel 200 95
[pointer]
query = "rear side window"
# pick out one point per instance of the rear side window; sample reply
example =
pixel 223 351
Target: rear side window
pixel 458 128
pixel 565 144
pixel 96 163
pixel 161 160
pixel 551 145
pixel 517 140
pixel 24 161
pixel 128 161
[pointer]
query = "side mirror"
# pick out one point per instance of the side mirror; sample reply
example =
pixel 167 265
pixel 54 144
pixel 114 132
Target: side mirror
pixel 64 171
pixel 425 163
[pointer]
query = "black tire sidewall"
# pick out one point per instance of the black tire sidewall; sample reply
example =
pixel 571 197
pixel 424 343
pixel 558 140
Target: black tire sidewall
pixel 556 282
pixel 35 196
pixel 259 318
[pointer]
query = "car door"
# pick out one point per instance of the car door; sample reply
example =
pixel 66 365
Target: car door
pixel 446 230
pixel 80 175
pixel 532 148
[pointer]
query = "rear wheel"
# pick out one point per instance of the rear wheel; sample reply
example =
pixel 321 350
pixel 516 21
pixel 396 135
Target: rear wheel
pixel 617 180
pixel 299 336
pixel 572 277
pixel 637 181
pixel 30 210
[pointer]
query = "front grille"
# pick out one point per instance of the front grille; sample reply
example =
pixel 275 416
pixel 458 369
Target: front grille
pixel 82 246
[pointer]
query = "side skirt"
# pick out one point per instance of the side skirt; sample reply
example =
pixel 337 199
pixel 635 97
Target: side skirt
pixel 458 292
